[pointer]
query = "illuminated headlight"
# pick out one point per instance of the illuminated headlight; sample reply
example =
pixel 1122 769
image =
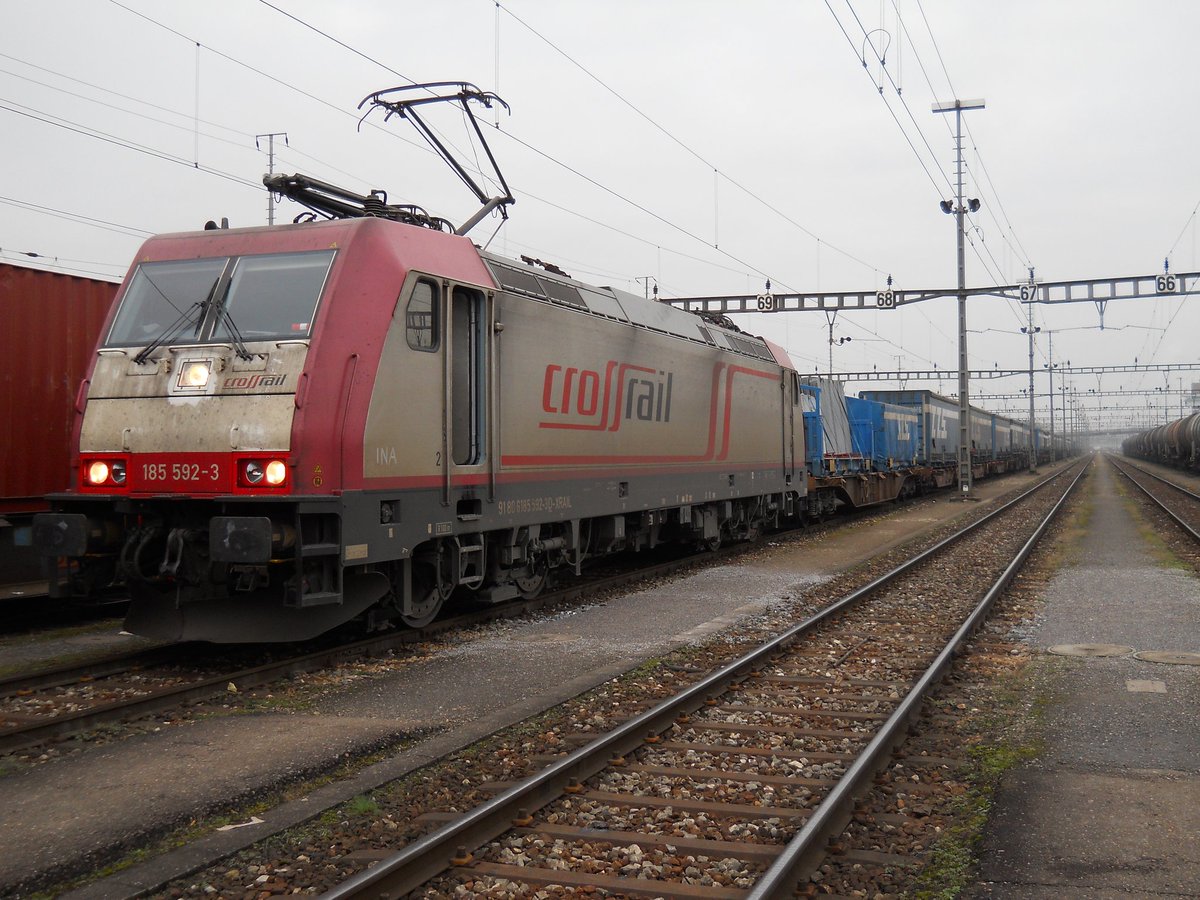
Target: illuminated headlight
pixel 194 374
pixel 267 473
pixel 104 472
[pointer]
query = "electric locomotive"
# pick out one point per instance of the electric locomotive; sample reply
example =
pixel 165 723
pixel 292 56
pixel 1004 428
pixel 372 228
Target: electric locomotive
pixel 286 428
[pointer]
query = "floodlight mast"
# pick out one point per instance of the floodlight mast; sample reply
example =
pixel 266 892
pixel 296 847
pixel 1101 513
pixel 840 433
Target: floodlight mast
pixel 964 403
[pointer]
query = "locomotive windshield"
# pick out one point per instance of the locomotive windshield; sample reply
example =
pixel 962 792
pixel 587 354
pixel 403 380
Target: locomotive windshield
pixel 221 299
pixel 161 295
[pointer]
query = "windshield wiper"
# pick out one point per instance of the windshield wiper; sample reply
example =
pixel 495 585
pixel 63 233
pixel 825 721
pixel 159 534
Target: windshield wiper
pixel 235 337
pixel 176 328
pixel 168 334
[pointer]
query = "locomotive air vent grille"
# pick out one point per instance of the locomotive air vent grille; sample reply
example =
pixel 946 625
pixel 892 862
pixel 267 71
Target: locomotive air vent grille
pixel 516 280
pixel 529 283
pixel 564 293
pixel 750 348
pixel 707 335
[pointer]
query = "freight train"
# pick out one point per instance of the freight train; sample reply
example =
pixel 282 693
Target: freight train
pixel 1174 444
pixel 287 428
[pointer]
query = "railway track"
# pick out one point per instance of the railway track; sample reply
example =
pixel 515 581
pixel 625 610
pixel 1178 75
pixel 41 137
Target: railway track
pixel 1178 503
pixel 733 787
pixel 52 704
pixel 27 607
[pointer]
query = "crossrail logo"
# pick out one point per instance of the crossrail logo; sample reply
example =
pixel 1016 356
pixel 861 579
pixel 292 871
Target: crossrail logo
pixel 247 382
pixel 588 400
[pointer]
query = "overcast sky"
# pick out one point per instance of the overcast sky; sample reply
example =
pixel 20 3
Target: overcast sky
pixel 705 145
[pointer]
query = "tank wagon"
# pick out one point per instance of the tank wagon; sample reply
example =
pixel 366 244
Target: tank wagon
pixel 47 337
pixel 1174 444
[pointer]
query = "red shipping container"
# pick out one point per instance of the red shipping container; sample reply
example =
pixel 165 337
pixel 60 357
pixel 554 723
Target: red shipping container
pixel 49 323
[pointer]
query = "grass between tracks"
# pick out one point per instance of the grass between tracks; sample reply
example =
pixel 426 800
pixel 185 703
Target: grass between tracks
pixel 1004 731
pixel 1004 727
pixel 1139 508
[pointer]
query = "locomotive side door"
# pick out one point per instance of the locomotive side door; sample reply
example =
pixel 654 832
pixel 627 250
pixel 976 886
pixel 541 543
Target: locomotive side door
pixel 468 393
pixel 791 402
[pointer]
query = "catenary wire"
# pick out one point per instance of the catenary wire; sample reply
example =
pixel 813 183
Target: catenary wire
pixel 128 145
pixel 679 142
pixel 343 112
pixel 899 125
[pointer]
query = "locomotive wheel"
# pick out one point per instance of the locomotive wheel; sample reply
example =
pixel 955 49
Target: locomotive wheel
pixel 428 597
pixel 710 545
pixel 425 609
pixel 529 586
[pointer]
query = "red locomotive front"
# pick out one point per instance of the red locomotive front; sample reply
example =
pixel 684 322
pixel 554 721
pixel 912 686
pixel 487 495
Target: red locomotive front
pixel 210 429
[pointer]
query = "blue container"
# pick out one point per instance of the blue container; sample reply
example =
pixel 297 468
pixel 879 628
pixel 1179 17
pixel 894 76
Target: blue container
pixel 936 436
pixel 885 434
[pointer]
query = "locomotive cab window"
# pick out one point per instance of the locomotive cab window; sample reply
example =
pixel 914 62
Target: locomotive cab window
pixel 161 296
pixel 421 317
pixel 205 300
pixel 273 296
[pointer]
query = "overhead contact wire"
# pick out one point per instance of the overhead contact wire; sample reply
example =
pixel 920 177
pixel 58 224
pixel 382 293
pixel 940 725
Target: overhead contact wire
pixel 681 144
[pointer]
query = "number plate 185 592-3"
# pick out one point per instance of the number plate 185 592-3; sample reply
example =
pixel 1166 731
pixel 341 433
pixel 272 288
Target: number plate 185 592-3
pixel 201 473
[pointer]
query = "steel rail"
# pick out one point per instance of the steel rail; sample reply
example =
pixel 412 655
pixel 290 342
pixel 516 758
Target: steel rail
pixel 830 817
pixel 1195 535
pixel 431 855
pixel 52 728
pixel 75 672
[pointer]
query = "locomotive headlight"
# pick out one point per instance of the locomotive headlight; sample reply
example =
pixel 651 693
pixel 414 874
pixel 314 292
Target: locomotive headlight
pixel 263 473
pixel 194 374
pixel 97 472
pixel 102 473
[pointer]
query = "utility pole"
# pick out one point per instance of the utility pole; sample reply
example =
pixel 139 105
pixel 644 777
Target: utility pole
pixel 1031 331
pixel 271 166
pixel 645 280
pixel 964 402
pixel 1050 369
pixel 842 340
